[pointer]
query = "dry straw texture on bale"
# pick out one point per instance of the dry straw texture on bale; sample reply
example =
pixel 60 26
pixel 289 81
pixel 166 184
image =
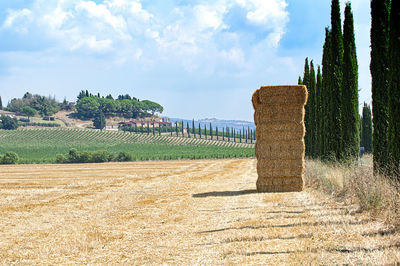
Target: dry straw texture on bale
pixel 279 117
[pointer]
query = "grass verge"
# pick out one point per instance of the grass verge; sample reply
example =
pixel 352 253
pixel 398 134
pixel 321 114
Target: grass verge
pixel 356 183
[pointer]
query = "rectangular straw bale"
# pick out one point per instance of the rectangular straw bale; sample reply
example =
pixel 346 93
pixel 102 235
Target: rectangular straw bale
pixel 279 117
pixel 271 168
pixel 276 131
pixel 280 150
pixel 262 186
pixel 284 180
pixel 289 94
pixel 280 113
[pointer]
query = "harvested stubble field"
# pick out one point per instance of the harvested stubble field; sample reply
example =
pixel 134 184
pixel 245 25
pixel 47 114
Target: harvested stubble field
pixel 176 212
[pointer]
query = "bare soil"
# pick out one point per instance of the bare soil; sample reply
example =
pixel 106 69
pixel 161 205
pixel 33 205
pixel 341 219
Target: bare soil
pixel 177 212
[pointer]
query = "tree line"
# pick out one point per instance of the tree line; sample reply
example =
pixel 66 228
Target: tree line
pixel 385 73
pixel 91 106
pixel 31 104
pixel 245 135
pixel 334 129
pixel 332 117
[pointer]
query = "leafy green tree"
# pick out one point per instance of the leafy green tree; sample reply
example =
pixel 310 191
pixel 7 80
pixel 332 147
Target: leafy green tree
pixel 87 108
pixel 8 123
pixel 366 131
pixel 99 121
pixel 380 80
pixel 124 108
pixel 350 113
pixel 28 111
pixel 81 95
pixel 394 90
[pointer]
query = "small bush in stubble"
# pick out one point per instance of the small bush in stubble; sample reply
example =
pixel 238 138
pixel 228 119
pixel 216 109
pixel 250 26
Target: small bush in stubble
pixel 124 157
pixel 60 158
pixel 9 158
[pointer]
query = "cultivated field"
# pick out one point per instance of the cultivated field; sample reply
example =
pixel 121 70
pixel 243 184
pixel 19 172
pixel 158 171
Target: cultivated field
pixel 176 212
pixel 42 145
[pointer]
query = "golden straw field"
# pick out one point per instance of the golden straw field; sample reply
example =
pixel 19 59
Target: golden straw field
pixel 176 212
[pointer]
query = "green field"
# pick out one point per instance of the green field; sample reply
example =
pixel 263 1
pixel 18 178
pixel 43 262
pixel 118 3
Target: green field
pixel 42 145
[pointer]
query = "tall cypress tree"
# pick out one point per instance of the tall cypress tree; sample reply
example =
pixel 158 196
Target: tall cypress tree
pixel 335 88
pixel 193 128
pixel 394 90
pixel 318 114
pixel 326 102
pixel 350 113
pixel 380 77
pixel 306 82
pixel 1 104
pixel 366 131
pixel 299 81
pixel 312 109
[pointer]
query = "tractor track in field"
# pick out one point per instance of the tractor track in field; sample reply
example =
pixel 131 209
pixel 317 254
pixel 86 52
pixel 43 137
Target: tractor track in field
pixel 177 212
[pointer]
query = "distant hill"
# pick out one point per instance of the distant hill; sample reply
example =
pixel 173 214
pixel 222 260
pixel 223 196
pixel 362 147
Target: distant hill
pixel 237 124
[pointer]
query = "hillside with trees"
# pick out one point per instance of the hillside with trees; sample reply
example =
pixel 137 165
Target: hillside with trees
pixel 88 106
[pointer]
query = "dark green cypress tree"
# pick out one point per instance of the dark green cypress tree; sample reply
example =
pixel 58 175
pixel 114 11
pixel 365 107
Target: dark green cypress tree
pixel 176 128
pixel 380 80
pixel 193 129
pixel 318 114
pixel 188 129
pixel 299 81
pixel 199 130
pixel 1 104
pixel 211 131
pixel 326 102
pixel 350 113
pixel 311 101
pixel 306 81
pixel 335 88
pixel 394 90
pixel 183 128
pixel 216 132
pixel 366 125
pixel 99 121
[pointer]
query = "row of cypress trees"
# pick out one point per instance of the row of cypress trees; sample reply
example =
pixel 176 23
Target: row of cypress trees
pixel 332 118
pixel 385 73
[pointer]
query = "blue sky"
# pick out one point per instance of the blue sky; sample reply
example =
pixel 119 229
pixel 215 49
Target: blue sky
pixel 196 58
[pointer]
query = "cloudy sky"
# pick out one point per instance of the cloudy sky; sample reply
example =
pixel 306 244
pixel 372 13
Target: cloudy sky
pixel 198 58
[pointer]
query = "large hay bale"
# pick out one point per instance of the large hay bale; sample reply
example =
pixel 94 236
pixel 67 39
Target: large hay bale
pixel 279 117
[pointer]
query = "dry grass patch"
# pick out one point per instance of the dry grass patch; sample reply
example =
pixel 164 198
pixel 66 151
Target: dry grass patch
pixel 356 183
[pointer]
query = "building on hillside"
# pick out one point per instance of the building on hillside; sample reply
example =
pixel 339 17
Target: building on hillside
pixel 10 114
